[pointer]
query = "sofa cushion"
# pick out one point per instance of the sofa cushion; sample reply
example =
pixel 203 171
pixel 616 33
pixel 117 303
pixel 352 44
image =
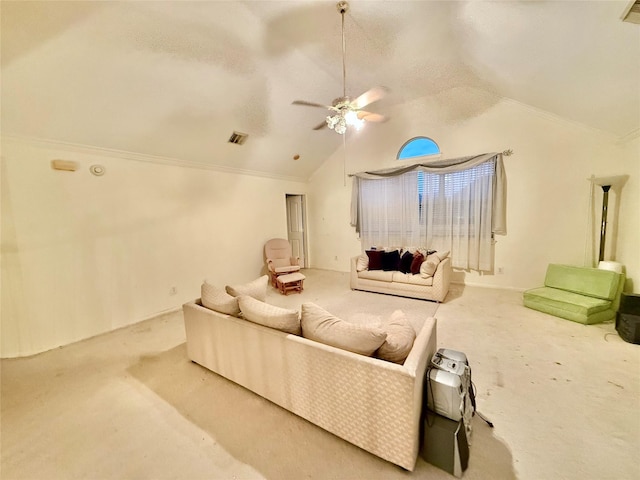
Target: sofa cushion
pixel 400 338
pixel 422 250
pixel 362 263
pixel 216 298
pixel 321 326
pixel 593 282
pixel 256 289
pixel 418 258
pixel 411 279
pixel 441 255
pixel 429 266
pixel 375 259
pixel 287 269
pixel 405 262
pixel 269 315
pixel 573 306
pixel 280 262
pixel 380 275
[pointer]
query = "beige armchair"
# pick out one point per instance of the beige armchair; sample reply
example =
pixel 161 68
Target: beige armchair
pixel 277 252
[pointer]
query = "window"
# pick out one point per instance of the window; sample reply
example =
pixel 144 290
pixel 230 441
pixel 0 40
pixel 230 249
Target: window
pixel 442 188
pixel 454 205
pixel 418 147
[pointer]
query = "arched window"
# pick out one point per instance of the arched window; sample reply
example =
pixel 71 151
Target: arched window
pixel 418 147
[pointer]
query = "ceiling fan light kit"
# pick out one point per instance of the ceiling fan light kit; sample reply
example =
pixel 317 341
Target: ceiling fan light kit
pixel 344 111
pixel 344 117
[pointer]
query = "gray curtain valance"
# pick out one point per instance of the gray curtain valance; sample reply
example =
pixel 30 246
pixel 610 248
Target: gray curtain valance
pixel 438 166
pixel 499 217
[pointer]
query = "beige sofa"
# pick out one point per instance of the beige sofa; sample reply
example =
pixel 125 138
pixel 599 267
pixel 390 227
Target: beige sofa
pixel 369 402
pixel 393 282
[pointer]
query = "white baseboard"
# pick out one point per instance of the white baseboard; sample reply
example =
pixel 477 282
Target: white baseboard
pixel 484 285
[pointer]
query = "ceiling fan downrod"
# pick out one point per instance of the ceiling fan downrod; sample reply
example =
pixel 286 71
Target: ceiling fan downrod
pixel 344 111
pixel 343 7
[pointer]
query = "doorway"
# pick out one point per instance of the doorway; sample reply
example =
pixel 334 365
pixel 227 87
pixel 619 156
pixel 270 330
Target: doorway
pixel 296 231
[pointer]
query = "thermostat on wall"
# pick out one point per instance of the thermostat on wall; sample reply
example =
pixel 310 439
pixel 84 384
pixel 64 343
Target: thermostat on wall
pixel 65 165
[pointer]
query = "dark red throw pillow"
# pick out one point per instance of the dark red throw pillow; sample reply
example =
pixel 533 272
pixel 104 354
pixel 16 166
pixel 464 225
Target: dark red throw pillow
pixel 375 259
pixel 418 258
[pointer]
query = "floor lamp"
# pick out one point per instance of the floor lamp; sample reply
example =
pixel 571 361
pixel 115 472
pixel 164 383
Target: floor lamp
pixel 606 183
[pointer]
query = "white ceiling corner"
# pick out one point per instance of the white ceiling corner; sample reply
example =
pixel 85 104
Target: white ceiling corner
pixel 174 79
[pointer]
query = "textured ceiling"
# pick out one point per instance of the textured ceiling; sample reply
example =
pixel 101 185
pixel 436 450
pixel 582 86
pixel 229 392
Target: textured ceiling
pixel 174 79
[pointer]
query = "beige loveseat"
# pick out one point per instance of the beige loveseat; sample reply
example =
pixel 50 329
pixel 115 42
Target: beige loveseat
pixel 394 282
pixel 372 403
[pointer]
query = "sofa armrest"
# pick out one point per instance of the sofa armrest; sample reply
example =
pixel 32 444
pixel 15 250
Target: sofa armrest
pixel 442 279
pixel 353 277
pixel 615 303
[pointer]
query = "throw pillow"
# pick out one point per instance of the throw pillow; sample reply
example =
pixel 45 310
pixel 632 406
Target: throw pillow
pixel 429 266
pixel 216 298
pixel 375 259
pixel 405 262
pixel 321 326
pixel 441 255
pixel 400 338
pixel 256 289
pixel 391 260
pixel 418 258
pixel 362 263
pixel 269 315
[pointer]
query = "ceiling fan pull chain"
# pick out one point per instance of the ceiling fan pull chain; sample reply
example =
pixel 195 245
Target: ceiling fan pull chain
pixel 344 159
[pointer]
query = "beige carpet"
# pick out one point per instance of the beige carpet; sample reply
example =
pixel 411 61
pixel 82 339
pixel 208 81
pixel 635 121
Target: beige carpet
pixel 283 446
pixel 352 305
pixel 129 405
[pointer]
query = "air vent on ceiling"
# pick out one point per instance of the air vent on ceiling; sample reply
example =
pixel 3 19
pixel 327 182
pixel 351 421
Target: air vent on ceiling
pixel 238 138
pixel 632 12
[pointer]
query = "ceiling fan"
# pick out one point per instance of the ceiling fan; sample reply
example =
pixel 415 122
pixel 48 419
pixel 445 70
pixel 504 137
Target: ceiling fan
pixel 346 111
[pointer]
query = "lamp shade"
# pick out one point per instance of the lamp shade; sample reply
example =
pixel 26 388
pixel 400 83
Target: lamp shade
pixel 613 266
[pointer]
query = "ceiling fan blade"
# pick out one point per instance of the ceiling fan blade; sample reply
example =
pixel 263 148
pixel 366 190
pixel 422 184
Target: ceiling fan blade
pixel 372 117
pixel 309 104
pixel 372 95
pixel 320 126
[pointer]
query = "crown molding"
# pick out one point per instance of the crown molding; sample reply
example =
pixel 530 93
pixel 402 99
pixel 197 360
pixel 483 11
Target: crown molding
pixel 629 136
pixel 141 157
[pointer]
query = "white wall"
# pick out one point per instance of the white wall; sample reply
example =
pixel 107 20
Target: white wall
pixel 82 255
pixel 628 246
pixel 548 216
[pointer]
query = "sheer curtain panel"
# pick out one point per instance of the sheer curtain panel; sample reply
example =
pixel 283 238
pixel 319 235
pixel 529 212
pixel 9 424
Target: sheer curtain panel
pixel 454 205
pixel 388 213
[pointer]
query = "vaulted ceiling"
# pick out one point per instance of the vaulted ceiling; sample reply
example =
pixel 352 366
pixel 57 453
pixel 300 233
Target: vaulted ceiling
pixel 175 79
